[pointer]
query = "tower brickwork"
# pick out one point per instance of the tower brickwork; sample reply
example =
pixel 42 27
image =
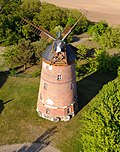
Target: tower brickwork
pixel 57 97
pixel 57 94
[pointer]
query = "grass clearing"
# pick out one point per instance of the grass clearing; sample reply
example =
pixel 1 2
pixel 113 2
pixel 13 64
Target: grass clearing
pixel 19 121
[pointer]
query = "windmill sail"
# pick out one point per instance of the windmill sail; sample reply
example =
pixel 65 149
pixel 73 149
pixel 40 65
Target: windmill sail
pixel 38 30
pixel 69 30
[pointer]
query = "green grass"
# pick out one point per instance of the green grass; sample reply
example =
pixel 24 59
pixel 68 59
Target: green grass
pixel 20 123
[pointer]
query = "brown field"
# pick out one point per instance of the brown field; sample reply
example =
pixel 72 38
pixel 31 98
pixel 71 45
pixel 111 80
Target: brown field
pixel 108 10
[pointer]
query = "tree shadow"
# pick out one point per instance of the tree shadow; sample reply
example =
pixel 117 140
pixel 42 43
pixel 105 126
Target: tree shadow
pixel 40 143
pixel 3 77
pixel 90 86
pixel 75 38
pixel 2 104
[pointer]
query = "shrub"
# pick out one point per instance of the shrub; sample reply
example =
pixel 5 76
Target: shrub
pixel 111 38
pixel 118 71
pixel 97 30
pixel 101 128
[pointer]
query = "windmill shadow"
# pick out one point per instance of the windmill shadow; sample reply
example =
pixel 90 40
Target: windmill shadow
pixel 40 143
pixel 90 86
pixel 3 77
pixel 2 104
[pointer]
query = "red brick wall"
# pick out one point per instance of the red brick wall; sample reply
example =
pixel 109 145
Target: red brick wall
pixel 57 93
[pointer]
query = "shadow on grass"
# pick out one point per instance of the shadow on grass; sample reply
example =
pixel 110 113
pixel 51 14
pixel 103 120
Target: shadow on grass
pixel 2 104
pixel 3 77
pixel 89 87
pixel 40 143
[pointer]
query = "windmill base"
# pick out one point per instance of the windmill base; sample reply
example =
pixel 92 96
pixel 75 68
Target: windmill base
pixel 57 118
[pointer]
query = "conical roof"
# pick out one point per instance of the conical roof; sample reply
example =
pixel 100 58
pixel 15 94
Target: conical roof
pixel 70 53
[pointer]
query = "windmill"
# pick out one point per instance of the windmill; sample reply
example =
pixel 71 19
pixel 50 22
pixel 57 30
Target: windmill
pixel 57 97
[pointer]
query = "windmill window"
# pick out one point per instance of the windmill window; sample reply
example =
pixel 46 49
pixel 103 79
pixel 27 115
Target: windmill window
pixel 59 77
pixel 47 111
pixel 45 86
pixel 68 110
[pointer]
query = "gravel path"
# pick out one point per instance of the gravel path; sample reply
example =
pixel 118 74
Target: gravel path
pixel 34 147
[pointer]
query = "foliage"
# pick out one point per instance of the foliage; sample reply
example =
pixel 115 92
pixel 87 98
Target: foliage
pixel 47 15
pixel 50 16
pixel 103 62
pixel 21 54
pixel 107 63
pixel 25 53
pixel 9 55
pixel 81 60
pixel 30 8
pixel 73 16
pixel 108 37
pixel 9 22
pixel 12 72
pixel 57 31
pixel 39 47
pixel 111 38
pixel 97 30
pixel 82 52
pixel 101 122
pixel 98 61
pixel 118 71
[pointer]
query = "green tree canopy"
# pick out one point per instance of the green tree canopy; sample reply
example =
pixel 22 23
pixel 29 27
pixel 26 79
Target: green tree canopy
pixel 20 55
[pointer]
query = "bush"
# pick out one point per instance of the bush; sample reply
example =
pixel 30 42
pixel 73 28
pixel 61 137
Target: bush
pixel 101 128
pixel 19 55
pixel 107 63
pixel 118 71
pixel 99 61
pixel 111 38
pixel 97 30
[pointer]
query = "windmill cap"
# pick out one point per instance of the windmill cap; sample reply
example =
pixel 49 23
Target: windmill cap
pixel 49 53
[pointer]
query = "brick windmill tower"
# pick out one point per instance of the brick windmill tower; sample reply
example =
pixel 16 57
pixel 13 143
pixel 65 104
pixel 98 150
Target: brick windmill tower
pixel 57 97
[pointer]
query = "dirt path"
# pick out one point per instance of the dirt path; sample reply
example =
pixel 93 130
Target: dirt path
pixel 34 147
pixel 108 10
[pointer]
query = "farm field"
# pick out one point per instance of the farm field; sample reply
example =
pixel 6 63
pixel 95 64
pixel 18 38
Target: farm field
pixel 108 10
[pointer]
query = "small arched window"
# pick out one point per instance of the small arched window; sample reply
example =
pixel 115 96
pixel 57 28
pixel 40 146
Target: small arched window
pixel 47 111
pixel 45 86
pixel 68 110
pixel 59 77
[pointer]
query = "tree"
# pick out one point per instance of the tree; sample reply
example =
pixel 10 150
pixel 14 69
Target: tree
pixel 73 16
pixel 39 47
pixel 30 8
pixel 101 123
pixel 11 13
pixel 9 22
pixel 51 16
pixel 20 55
pixel 111 38
pixel 97 30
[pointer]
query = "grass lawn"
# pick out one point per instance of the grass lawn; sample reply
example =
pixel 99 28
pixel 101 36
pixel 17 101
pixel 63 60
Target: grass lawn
pixel 20 123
